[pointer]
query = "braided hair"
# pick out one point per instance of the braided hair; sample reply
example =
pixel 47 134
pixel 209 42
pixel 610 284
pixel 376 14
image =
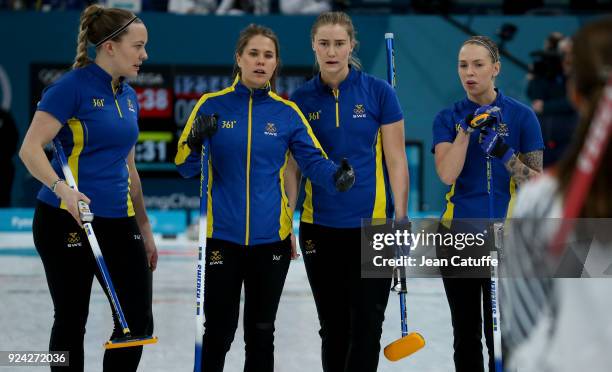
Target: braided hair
pixel 96 24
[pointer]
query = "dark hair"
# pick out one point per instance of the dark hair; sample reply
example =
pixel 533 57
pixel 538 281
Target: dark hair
pixel 591 66
pixel 487 43
pixel 342 19
pixel 96 24
pixel 246 35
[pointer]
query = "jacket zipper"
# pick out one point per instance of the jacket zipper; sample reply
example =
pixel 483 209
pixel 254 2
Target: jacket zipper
pixel 116 102
pixel 248 170
pixel 336 93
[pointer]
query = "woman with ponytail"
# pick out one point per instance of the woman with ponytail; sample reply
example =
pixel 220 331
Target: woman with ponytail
pixel 564 323
pixel 94 114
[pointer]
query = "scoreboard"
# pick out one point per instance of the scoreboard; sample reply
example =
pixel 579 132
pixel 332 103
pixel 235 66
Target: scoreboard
pixel 166 96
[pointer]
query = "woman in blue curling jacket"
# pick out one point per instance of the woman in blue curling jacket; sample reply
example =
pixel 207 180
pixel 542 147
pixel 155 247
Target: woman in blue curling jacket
pixel 252 131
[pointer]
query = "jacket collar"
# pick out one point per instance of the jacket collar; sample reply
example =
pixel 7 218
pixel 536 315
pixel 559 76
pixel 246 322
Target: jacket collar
pixel 104 77
pixel 498 101
pixel 347 82
pixel 242 89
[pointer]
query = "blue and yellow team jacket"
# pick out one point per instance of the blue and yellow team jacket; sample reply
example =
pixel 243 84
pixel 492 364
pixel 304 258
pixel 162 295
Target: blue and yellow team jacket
pixel 247 203
pixel 100 128
pixel 348 123
pixel 468 197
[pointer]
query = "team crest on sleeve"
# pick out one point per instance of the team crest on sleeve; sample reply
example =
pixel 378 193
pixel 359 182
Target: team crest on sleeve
pixel 359 111
pixel 270 130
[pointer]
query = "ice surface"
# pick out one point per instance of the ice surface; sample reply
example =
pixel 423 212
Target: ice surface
pixel 27 314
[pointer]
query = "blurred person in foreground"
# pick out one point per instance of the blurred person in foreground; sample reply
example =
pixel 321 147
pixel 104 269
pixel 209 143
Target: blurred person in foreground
pixel 563 324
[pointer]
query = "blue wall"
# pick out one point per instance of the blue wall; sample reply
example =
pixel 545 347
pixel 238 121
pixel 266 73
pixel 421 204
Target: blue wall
pixel 426 49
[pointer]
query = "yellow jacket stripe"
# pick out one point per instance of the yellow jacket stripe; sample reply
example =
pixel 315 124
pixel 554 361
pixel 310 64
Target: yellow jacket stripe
pixel 450 208
pixel 380 202
pixel 512 198
pixel 209 217
pixel 184 150
pixel 304 121
pixel 78 140
pixel 248 172
pixel 307 212
pixel 286 220
pixel 130 205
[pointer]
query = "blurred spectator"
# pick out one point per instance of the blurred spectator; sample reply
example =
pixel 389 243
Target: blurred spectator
pixel 585 6
pixel 192 6
pixel 134 6
pixel 304 6
pixel 8 145
pixel 520 6
pixel 47 5
pixel 565 49
pixel 239 7
pixel 155 5
pixel 547 91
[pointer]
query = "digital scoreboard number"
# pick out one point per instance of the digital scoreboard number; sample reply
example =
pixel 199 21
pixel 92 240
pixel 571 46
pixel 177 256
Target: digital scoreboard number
pixel 154 102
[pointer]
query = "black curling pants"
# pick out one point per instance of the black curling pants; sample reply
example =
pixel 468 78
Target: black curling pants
pixel 263 269
pixel 469 299
pixel 465 298
pixel 351 310
pixel 70 267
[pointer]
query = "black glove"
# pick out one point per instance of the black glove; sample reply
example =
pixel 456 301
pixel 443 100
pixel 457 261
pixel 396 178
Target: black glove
pixel 465 124
pixel 493 145
pixel 344 176
pixel 202 127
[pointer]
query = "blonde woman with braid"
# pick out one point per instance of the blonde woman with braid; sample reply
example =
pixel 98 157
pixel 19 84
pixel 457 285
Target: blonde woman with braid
pixel 94 113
